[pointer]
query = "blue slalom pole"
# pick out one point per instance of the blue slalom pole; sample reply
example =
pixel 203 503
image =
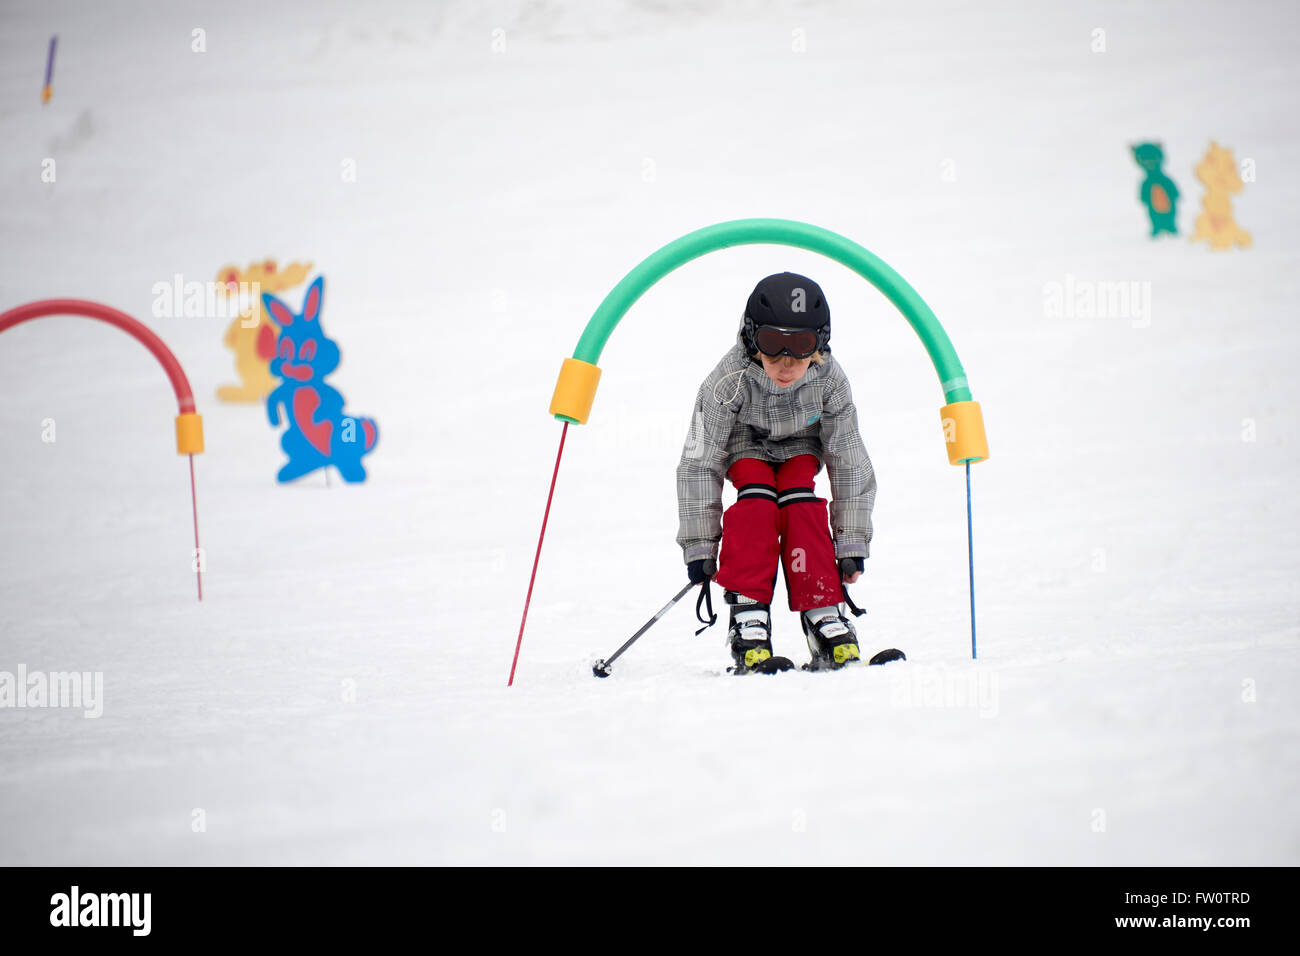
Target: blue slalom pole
pixel 970 556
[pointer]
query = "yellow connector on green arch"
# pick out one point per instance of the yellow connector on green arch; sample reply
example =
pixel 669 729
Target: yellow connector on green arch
pixel 575 392
pixel 963 432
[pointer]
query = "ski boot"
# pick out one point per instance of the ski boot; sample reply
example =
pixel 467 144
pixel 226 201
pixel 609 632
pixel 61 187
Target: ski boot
pixel 750 637
pixel 831 639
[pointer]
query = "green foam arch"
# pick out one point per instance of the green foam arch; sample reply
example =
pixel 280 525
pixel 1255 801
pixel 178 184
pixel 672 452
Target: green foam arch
pixel 787 232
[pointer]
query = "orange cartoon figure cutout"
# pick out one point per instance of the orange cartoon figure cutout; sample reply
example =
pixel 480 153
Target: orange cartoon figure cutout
pixel 1218 172
pixel 252 335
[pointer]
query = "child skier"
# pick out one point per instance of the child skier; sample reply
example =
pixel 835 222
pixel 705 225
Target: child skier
pixel 774 409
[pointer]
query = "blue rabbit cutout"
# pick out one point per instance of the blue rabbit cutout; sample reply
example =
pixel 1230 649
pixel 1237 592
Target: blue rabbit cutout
pixel 319 434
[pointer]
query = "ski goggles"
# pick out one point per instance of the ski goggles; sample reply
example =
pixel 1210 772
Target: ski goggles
pixel 774 341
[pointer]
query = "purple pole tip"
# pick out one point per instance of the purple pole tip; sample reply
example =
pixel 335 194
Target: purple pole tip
pixel 49 60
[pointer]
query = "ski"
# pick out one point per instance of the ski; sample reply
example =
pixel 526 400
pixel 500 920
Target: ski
pixel 775 665
pixel 883 657
pixel 772 665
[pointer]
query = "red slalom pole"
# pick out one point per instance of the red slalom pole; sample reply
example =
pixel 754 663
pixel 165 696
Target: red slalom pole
pixel 538 556
pixel 198 552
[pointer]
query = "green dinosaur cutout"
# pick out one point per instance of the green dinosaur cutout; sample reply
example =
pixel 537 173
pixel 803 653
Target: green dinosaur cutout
pixel 1158 191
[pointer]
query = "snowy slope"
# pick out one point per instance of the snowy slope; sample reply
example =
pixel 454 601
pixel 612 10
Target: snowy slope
pixel 340 694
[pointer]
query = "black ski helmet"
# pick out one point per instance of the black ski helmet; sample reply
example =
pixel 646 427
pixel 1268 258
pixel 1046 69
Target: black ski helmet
pixel 788 301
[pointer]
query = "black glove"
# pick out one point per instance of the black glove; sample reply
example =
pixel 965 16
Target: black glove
pixel 701 570
pixel 848 566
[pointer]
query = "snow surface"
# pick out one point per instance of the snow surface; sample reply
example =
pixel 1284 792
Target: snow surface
pixel 1135 528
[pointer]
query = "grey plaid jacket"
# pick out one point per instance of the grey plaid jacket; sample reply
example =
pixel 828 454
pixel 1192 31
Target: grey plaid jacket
pixel 741 413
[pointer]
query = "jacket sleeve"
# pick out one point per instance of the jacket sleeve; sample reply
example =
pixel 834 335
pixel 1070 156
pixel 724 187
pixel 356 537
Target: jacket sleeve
pixel 703 466
pixel 853 481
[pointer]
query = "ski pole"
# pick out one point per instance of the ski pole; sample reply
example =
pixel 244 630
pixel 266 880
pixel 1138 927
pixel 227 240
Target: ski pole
pixel 601 667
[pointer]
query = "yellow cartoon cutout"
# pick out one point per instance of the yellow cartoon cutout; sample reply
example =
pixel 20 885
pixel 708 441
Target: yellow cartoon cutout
pixel 253 342
pixel 1218 171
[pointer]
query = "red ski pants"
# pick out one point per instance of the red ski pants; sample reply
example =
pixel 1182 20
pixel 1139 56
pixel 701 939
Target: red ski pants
pixel 777 514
